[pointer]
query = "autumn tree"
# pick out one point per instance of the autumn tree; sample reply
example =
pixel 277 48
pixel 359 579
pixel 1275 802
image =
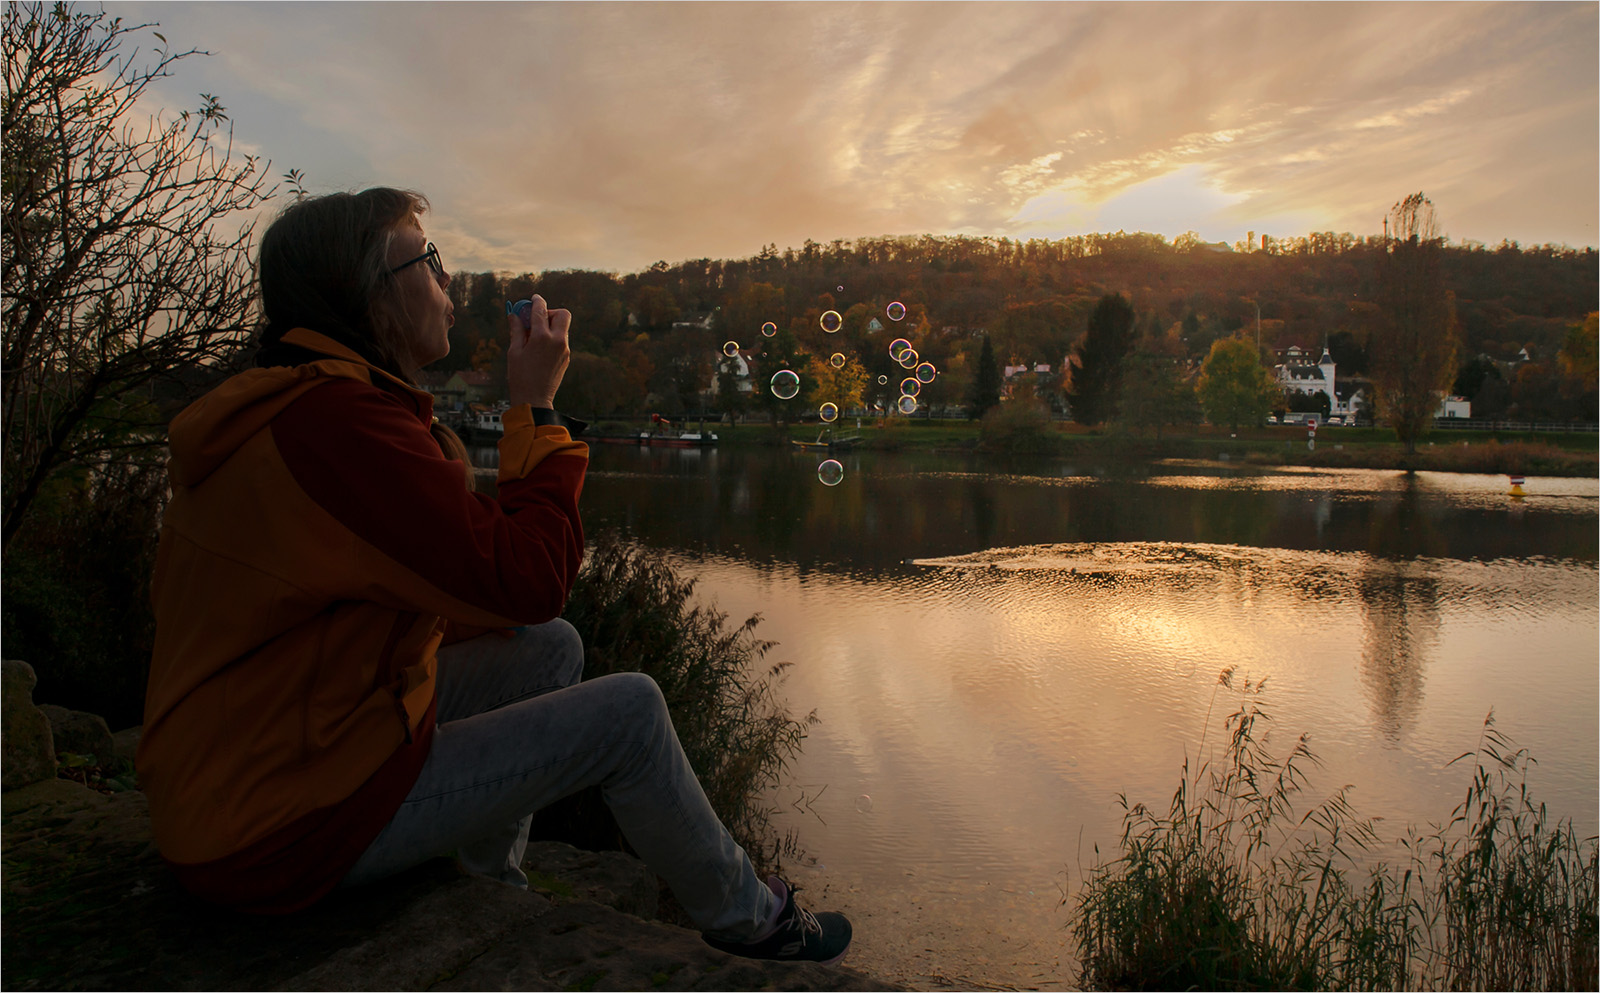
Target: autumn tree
pixel 1412 350
pixel 1101 355
pixel 599 318
pixel 1580 368
pixel 843 386
pixel 489 356
pixel 1155 392
pixel 592 386
pixel 636 368
pixel 656 308
pixel 1234 386
pixel 124 282
pixel 685 364
pixel 749 307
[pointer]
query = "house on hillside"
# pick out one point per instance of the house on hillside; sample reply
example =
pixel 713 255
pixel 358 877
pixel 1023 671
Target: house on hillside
pixel 700 321
pixel 1351 395
pixel 739 365
pixel 474 386
pixel 1298 373
pixel 437 382
pixel 1013 374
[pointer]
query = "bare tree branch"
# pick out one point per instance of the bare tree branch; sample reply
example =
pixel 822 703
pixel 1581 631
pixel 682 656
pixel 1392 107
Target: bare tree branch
pixel 121 270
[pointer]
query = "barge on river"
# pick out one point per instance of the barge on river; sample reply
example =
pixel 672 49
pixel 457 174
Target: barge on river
pixel 683 439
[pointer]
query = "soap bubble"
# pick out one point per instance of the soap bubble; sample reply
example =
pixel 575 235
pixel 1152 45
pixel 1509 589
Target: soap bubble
pixel 730 349
pixel 883 380
pixel 896 311
pixel 926 372
pixel 830 473
pixel 909 387
pixel 836 360
pixel 909 358
pixel 831 321
pixel 829 412
pixel 864 803
pixel 785 384
pixel 908 405
pixel 769 329
pixel 897 347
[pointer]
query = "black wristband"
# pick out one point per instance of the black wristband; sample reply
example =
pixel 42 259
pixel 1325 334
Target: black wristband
pixel 549 417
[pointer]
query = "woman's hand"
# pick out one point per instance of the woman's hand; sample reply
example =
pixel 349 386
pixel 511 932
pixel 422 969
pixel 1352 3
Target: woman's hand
pixel 537 358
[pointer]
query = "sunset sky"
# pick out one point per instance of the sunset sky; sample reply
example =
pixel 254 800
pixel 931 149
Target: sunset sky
pixel 611 135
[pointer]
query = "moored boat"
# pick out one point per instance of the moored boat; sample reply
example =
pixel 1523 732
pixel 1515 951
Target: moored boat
pixel 826 442
pixel 683 439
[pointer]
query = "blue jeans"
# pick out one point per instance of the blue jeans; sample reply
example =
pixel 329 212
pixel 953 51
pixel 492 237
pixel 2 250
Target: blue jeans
pixel 517 731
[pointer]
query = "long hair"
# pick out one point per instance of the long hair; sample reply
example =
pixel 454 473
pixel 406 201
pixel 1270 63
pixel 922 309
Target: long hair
pixel 324 265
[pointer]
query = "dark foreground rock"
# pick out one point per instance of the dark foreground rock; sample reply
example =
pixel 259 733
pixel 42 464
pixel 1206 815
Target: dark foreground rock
pixel 26 747
pixel 75 732
pixel 89 905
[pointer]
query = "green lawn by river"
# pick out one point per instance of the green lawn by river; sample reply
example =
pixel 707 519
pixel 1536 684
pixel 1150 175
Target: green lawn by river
pixel 1530 453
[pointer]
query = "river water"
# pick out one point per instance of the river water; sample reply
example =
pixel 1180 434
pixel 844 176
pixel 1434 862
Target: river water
pixel 998 651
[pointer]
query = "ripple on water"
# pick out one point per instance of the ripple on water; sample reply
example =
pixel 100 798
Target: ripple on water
pixel 1523 587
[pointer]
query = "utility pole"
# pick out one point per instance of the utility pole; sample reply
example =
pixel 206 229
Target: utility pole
pixel 1258 326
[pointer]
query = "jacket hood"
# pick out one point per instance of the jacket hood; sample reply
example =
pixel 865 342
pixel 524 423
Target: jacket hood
pixel 207 432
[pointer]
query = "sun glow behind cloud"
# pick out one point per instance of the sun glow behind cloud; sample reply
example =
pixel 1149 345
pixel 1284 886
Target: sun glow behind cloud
pixel 1171 204
pixel 612 135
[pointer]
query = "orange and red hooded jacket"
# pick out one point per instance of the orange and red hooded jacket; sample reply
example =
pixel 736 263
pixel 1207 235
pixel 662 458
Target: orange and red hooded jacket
pixel 316 547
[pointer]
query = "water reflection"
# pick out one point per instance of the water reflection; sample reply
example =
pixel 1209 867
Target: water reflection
pixel 996 655
pixel 1400 627
pixel 767 505
pixel 1405 525
pixel 993 705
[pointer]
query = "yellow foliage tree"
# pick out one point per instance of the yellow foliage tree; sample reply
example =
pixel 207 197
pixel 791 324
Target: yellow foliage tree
pixel 843 387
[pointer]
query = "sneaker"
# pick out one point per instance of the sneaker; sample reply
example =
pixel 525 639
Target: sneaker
pixel 796 936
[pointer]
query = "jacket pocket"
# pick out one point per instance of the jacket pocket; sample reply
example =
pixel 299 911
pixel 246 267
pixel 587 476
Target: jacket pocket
pixel 393 674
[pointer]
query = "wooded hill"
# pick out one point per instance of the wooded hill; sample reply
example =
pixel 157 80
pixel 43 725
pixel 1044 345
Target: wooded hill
pixel 652 339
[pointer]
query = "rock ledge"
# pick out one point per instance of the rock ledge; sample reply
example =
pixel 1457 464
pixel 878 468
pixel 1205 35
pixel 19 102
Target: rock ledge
pixel 89 905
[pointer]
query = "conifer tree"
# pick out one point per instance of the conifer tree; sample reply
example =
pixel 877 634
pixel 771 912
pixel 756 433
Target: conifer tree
pixel 1097 380
pixel 986 384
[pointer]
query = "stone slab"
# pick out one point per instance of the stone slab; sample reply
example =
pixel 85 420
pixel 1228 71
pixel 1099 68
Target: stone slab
pixel 87 903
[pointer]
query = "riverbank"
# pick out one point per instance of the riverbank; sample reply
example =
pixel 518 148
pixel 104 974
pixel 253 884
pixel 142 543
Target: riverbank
pixel 1566 454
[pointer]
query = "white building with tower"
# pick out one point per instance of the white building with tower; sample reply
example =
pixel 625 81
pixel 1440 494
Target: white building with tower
pixel 1298 373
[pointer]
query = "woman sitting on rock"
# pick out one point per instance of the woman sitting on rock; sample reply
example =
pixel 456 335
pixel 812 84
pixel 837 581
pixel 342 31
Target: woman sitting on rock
pixel 325 706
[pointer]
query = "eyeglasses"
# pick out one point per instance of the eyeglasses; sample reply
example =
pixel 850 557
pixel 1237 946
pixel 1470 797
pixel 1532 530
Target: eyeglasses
pixel 431 255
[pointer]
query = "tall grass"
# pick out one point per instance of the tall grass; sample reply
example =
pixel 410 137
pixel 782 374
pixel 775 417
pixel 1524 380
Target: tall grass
pixel 637 614
pixel 1243 883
